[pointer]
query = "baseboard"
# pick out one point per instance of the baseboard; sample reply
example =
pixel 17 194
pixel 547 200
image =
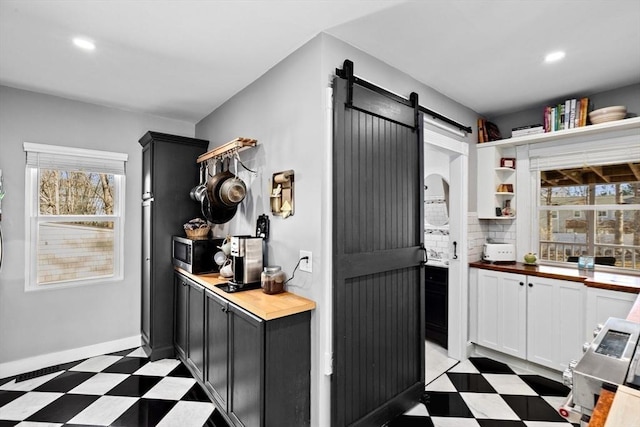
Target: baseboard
pixel 523 366
pixel 29 364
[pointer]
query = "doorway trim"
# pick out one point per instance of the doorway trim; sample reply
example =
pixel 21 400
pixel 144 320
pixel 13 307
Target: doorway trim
pixel 458 291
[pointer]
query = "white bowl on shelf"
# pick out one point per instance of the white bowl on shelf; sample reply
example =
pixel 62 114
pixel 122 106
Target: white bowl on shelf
pixel 608 114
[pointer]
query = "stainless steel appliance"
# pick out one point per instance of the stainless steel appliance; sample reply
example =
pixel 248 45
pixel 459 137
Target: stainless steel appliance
pixel 195 256
pixel 611 359
pixel 247 261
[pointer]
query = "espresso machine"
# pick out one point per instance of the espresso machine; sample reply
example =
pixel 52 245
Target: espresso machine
pixel 247 261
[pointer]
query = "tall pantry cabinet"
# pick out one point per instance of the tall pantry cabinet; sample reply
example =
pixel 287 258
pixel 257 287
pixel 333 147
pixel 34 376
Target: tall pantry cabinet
pixel 169 171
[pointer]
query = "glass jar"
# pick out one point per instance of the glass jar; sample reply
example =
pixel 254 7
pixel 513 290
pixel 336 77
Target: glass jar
pixel 272 280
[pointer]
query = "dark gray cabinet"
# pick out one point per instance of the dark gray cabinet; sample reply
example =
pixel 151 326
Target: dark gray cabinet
pixel 217 330
pixel 181 310
pixel 195 328
pixel 436 304
pixel 169 171
pixel 256 371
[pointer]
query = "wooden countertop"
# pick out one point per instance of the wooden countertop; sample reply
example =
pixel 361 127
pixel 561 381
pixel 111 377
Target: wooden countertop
pixel 592 279
pixel 255 301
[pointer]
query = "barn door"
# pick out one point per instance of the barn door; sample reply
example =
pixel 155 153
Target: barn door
pixel 378 296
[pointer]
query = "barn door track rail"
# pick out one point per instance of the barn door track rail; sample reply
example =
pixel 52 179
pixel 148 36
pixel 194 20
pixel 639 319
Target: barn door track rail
pixel 347 73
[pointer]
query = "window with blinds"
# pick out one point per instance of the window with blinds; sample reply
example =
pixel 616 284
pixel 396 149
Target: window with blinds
pixel 75 215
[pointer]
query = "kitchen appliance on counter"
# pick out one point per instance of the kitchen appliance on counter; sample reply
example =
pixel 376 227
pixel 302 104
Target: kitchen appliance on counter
pixel 610 360
pixel 195 255
pixel 247 262
pixel 499 252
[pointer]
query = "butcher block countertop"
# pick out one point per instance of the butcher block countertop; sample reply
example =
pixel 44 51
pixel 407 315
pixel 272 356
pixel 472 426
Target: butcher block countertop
pixel 265 306
pixel 592 279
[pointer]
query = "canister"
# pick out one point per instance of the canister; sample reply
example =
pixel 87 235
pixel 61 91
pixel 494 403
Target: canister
pixel 272 280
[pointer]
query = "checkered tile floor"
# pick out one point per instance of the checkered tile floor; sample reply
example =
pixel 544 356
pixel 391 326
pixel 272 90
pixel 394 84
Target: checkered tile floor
pixel 117 389
pixel 126 389
pixel 480 392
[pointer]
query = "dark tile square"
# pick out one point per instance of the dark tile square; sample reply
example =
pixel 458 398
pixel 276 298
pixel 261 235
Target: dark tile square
pixel 7 396
pixel 145 412
pixel 4 423
pixel 488 366
pixel 63 408
pixel 65 381
pixel 532 408
pixel 126 365
pixel 441 404
pixel 134 386
pixel 122 352
pixel 180 371
pixel 470 382
pixel 216 420
pixel 196 393
pixel 500 423
pixel 408 421
pixel 544 386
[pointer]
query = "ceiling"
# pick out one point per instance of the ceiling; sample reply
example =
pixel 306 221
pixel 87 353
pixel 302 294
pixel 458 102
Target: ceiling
pixel 182 59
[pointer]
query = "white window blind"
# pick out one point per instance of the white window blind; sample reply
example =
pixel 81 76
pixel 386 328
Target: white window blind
pixel 55 157
pixel 591 153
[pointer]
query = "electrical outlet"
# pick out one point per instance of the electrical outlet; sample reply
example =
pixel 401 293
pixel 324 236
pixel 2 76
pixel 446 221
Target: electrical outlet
pixel 305 264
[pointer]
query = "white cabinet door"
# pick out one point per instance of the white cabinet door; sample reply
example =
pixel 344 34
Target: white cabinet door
pixel 555 319
pixel 602 304
pixel 502 312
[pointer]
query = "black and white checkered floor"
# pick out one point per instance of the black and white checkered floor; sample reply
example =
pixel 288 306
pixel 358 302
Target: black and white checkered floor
pixel 117 389
pixel 480 392
pixel 126 389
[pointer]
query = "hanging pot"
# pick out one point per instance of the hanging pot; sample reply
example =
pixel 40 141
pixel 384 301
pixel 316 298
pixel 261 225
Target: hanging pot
pixel 233 190
pixel 219 213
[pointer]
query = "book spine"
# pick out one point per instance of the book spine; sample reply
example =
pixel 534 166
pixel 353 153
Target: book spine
pixel 572 113
pixel 567 114
pixel 481 131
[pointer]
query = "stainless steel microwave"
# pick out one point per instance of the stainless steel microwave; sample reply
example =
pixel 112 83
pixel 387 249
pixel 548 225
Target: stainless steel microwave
pixel 195 256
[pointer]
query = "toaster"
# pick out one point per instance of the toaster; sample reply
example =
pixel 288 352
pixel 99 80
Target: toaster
pixel 498 252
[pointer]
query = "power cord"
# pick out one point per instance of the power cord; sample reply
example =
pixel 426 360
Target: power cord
pixel 295 268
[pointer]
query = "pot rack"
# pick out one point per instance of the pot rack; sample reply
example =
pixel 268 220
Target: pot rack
pixel 229 149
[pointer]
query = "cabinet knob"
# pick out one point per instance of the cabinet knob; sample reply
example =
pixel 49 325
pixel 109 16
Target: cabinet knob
pixel 531 285
pixel 521 283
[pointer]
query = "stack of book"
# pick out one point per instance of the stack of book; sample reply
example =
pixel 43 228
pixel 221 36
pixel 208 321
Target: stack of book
pixel 487 131
pixel 571 114
pixel 527 130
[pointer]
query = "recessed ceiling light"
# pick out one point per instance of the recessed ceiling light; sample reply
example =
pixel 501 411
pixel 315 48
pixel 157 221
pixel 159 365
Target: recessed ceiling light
pixel 554 56
pixel 84 43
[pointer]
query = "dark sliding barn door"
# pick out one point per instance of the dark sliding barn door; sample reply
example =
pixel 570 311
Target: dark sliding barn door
pixel 378 296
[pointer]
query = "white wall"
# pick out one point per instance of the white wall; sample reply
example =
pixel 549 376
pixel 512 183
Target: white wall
pixel 38 323
pixel 286 110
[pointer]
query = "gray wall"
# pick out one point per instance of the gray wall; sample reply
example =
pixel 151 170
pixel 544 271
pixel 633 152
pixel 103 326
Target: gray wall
pixel 285 110
pixel 628 95
pixel 37 323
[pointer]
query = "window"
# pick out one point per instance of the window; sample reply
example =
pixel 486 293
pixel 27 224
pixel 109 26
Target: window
pixel 591 210
pixel 75 216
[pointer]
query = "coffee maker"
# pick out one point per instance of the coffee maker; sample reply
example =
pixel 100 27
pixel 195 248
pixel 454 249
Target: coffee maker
pixel 247 261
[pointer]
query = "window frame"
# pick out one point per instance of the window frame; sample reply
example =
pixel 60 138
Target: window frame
pixel 84 160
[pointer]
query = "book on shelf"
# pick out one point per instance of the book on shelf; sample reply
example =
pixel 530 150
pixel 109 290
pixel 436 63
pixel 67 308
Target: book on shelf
pixel 571 113
pixel 487 131
pixel 531 131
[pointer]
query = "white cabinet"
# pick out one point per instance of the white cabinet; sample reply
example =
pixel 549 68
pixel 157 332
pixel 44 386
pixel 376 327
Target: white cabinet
pixel 533 318
pixel 555 321
pixel 604 303
pixel 502 312
pixel 496 184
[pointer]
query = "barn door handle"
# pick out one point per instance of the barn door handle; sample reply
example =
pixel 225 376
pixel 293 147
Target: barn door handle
pixel 455 250
pixel 425 258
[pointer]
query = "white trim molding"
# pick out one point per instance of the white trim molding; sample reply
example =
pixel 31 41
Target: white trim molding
pixel 30 364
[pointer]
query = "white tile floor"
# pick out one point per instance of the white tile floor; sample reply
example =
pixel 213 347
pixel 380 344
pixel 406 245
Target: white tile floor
pixel 437 362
